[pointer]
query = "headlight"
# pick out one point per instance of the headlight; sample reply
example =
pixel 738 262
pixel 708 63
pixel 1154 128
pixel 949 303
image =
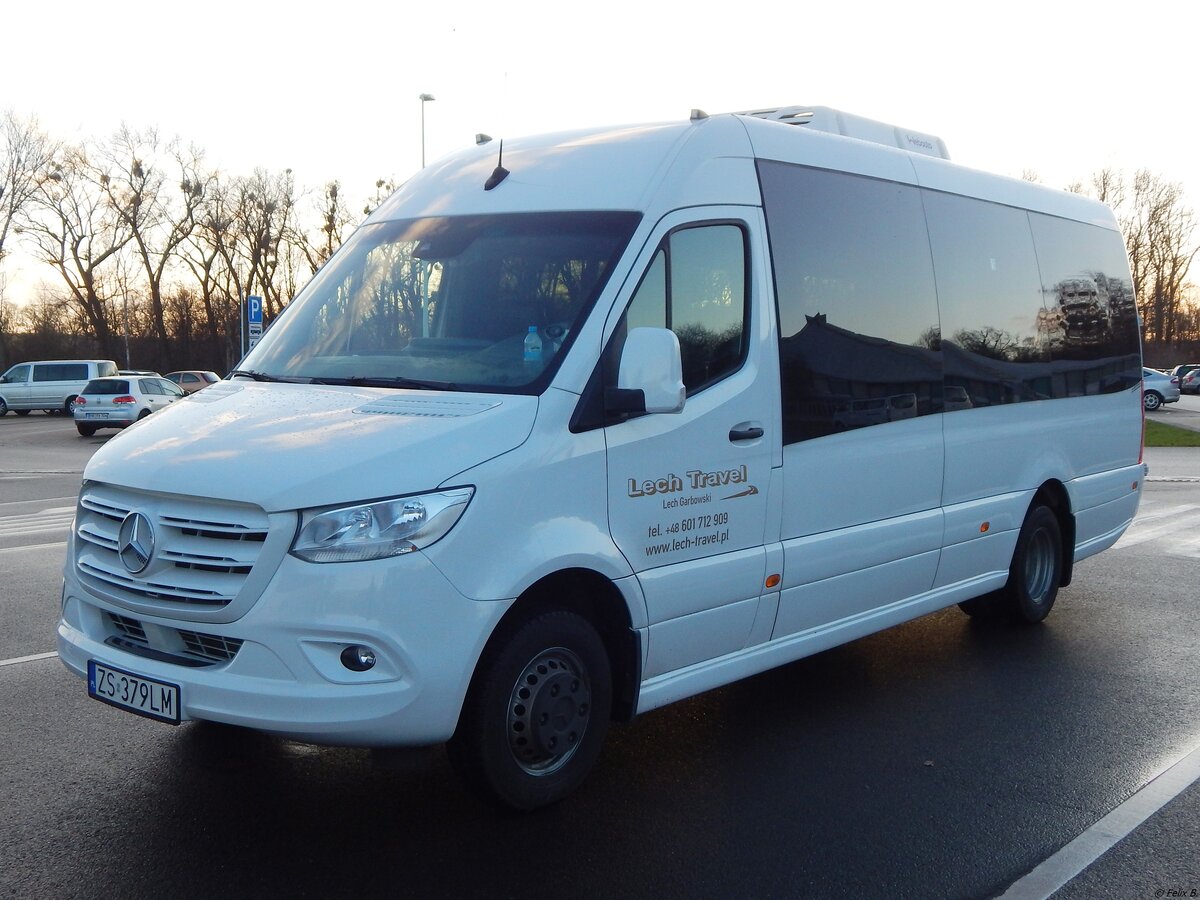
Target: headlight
pixel 378 530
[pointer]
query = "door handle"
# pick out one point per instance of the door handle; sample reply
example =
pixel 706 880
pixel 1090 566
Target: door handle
pixel 745 433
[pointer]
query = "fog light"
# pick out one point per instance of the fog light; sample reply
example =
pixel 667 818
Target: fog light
pixel 358 659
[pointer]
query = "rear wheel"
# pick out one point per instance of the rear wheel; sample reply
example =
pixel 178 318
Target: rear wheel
pixel 67 406
pixel 1152 400
pixel 537 712
pixel 3 407
pixel 1033 576
pixel 85 430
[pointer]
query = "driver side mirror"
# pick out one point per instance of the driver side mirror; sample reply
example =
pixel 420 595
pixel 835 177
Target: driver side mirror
pixel 650 378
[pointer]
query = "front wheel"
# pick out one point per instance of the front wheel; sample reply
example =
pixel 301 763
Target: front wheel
pixel 1152 400
pixel 536 713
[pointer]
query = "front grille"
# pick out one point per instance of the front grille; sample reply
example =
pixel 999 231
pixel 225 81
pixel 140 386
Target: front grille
pixel 210 646
pixel 131 628
pixel 168 644
pixel 203 551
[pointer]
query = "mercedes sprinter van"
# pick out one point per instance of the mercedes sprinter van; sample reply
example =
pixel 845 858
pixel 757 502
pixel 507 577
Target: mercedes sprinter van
pixel 576 427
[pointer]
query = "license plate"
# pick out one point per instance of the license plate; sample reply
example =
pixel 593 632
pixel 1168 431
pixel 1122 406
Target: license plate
pixel 96 415
pixel 135 693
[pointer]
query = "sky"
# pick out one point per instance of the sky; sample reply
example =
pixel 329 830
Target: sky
pixel 331 90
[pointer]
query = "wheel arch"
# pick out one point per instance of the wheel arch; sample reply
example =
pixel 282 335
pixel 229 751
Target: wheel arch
pixel 1053 494
pixel 594 597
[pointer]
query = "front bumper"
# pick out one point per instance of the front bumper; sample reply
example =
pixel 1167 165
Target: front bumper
pixel 286 676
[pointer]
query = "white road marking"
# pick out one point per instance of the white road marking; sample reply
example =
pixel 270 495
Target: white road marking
pixel 1063 866
pixel 67 500
pixel 1173 522
pixel 37 523
pixel 32 547
pixel 24 659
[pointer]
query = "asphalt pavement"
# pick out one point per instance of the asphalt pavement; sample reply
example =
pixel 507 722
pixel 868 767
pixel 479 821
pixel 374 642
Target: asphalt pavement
pixel 938 759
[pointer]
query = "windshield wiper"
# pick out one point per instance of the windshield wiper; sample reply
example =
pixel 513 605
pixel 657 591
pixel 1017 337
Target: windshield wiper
pixel 263 376
pixel 397 381
pixel 248 373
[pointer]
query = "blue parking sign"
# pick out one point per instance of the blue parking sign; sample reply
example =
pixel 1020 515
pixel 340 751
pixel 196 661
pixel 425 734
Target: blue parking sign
pixel 254 310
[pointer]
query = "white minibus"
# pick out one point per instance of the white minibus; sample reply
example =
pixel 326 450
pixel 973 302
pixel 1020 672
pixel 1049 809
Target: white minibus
pixel 583 424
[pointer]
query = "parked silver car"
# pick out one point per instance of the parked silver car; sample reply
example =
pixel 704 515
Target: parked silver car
pixel 116 402
pixel 1158 388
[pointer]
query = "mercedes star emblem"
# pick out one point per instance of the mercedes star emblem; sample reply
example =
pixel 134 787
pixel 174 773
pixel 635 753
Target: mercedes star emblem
pixel 135 544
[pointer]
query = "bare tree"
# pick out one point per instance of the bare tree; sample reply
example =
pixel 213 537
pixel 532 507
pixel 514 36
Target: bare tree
pixel 1158 232
pixel 261 217
pixel 384 188
pixel 8 323
pixel 335 218
pixel 26 159
pixel 75 228
pixel 159 219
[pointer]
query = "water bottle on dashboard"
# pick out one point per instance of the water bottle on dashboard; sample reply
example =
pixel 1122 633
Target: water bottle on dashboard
pixel 533 347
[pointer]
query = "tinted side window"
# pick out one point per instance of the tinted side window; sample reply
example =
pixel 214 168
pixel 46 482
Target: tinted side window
pixel 991 299
pixel 696 286
pixel 61 372
pixel 1087 289
pixel 1033 307
pixel 858 317
pixel 17 375
pixel 104 368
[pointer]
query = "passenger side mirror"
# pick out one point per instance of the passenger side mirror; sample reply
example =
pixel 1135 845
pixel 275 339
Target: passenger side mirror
pixel 650 378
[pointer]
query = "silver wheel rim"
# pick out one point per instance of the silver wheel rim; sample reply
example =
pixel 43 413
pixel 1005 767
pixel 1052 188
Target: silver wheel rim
pixel 548 711
pixel 1039 565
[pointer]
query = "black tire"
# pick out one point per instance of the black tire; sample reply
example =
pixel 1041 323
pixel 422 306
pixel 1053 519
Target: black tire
pixel 1033 576
pixel 143 414
pixel 536 712
pixel 67 409
pixel 20 412
pixel 1152 400
pixel 3 407
pixel 85 430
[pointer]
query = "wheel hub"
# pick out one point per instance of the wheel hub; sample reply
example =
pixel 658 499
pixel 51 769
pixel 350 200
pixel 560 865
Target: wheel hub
pixel 548 711
pixel 1039 572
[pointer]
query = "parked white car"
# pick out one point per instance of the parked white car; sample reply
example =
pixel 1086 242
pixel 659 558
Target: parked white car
pixel 116 402
pixel 1158 388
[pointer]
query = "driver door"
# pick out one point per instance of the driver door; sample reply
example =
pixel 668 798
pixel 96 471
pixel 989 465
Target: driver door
pixel 688 491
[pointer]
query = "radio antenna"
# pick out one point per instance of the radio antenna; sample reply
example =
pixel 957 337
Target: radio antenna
pixel 499 173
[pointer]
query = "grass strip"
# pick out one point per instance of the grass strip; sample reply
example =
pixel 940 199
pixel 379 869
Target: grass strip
pixel 1160 435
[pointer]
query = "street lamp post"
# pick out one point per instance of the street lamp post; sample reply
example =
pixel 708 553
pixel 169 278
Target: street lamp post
pixel 425 98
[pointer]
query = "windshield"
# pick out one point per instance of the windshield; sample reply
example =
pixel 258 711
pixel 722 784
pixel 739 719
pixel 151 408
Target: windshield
pixel 466 302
